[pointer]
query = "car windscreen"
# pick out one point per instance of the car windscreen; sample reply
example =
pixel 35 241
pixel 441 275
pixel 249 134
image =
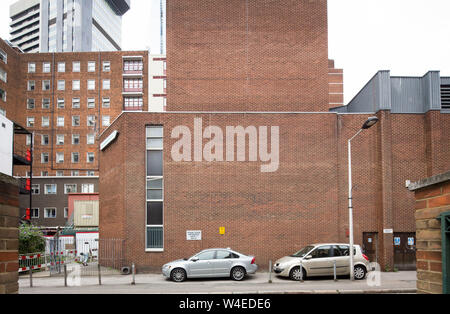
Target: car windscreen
pixel 303 251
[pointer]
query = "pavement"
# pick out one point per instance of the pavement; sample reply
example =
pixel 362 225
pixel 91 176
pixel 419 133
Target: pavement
pixel 403 282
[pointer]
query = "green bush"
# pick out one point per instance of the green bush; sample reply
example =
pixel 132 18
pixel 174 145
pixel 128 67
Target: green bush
pixel 31 239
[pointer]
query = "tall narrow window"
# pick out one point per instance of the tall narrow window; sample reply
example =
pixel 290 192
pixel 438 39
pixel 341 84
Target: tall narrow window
pixel 154 189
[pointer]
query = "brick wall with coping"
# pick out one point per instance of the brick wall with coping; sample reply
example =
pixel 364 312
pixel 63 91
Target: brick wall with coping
pixel 9 235
pixel 432 197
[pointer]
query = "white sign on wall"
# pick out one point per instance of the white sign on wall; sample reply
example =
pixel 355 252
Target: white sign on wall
pixel 193 235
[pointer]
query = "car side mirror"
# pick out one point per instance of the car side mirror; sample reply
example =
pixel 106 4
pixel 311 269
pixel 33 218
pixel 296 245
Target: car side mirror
pixel 194 259
pixel 308 257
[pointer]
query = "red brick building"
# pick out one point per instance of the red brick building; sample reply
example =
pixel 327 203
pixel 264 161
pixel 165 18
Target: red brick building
pixel 66 100
pixel 259 64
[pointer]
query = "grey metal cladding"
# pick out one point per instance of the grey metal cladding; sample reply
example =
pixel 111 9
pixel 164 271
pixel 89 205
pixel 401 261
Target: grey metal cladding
pixel 398 94
pixel 119 6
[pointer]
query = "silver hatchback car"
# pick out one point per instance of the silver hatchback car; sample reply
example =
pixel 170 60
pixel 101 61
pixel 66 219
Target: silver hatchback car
pixel 211 263
pixel 319 260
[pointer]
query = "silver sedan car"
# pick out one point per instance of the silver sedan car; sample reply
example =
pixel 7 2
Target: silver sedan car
pixel 211 263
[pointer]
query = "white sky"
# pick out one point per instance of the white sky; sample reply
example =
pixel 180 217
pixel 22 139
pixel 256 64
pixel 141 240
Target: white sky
pixel 408 37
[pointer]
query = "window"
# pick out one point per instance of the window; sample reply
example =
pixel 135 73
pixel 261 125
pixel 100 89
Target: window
pixel 155 190
pixel 225 255
pixel 44 158
pixel 87 188
pixel 76 66
pixel 106 120
pixel 3 97
pixel 49 212
pixel 35 213
pixel 46 67
pixel 46 85
pixel 50 189
pixel 45 122
pixel 35 189
pixel 91 103
pixel 66 212
pixel 70 188
pixel 75 139
pixel 76 85
pixel 60 121
pixel 135 66
pixel 30 122
pixel 90 120
pixel 106 102
pixel 31 85
pixel 59 173
pixel 44 173
pixel 3 75
pixel 75 103
pixel 90 173
pixel 91 84
pixel 44 139
pixel 30 103
pixel 90 157
pixel 322 252
pixel 106 66
pixel 3 56
pixel 90 139
pixel 28 140
pixel 59 158
pixel 75 158
pixel 61 67
pixel 59 139
pixel 106 84
pixel 75 120
pixel 206 255
pixel 31 67
pixel 61 103
pixel 91 66
pixel 46 103
pixel 75 173
pixel 61 85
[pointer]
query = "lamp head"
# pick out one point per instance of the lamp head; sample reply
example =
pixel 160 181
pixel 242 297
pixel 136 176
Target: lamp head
pixel 370 122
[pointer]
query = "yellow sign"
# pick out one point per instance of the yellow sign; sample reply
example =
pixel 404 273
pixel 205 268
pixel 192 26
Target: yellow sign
pixel 222 230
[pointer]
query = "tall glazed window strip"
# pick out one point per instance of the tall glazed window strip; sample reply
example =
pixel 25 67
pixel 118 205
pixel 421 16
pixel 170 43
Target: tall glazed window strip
pixel 154 189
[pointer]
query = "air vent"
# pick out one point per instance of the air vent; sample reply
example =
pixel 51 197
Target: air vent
pixel 445 96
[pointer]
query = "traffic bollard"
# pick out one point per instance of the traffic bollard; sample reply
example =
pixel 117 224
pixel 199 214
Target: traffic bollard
pixel 334 271
pixel 133 272
pixel 270 271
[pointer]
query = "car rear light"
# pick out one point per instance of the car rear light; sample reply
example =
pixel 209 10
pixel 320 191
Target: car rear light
pixel 367 259
pixel 253 260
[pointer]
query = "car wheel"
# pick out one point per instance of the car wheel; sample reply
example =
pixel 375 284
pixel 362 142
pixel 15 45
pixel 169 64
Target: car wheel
pixel 178 275
pixel 238 273
pixel 359 272
pixel 296 275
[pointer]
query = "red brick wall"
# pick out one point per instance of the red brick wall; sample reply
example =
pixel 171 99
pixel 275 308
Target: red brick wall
pixel 247 55
pixel 9 235
pixel 267 214
pixel 335 85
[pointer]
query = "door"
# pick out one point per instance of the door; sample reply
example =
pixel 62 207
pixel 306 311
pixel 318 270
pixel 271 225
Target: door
pixel 321 262
pixel 202 267
pixel 222 263
pixel 342 258
pixel 370 246
pixel 405 250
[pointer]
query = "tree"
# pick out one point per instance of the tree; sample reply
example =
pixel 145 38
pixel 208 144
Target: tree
pixel 31 239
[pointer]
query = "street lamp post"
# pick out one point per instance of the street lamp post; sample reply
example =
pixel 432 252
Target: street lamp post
pixel 369 123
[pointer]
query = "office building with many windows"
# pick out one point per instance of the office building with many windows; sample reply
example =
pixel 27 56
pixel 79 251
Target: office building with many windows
pixel 67 25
